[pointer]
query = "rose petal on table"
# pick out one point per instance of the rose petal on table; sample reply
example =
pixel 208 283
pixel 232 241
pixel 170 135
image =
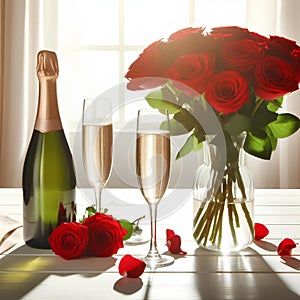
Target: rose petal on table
pixel 131 267
pixel 261 231
pixel 169 233
pixel 174 243
pixel 285 247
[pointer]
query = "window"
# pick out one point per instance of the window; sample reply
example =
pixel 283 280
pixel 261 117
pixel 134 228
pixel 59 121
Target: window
pixel 97 40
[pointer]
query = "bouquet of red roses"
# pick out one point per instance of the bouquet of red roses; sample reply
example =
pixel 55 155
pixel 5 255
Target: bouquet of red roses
pixel 241 74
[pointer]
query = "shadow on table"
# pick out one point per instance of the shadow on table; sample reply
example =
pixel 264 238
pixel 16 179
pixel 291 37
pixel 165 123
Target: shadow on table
pixel 243 275
pixel 291 262
pixel 22 270
pixel 128 286
pixel 287 260
pixel 266 246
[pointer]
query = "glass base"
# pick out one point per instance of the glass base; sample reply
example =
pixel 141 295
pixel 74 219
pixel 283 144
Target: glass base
pixel 136 240
pixel 158 261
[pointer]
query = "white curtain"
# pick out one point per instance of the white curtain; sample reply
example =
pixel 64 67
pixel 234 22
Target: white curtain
pixel 21 29
pixel 19 44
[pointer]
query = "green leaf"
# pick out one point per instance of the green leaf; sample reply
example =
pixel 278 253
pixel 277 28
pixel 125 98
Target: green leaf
pixel 186 148
pixel 175 127
pixel 185 119
pixel 258 132
pixel 128 226
pixel 285 125
pixel 136 228
pixel 191 144
pixel 157 99
pixel 89 211
pixel 258 146
pixel 273 139
pixel 197 145
pixel 247 108
pixel 237 124
pixel 200 137
pixel 263 116
pixel 188 122
pixel 275 104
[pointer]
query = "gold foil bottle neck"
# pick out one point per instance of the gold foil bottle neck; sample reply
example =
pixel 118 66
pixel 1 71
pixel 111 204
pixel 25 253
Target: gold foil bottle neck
pixel 47 64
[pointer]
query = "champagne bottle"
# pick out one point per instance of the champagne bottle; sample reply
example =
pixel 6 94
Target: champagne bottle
pixel 48 173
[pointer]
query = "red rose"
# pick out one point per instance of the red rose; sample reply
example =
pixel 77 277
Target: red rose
pixel 182 42
pixel 242 55
pixel 236 33
pixel 69 240
pixel 296 63
pixel 273 78
pixel 145 83
pixel 146 70
pixel 185 32
pixel 282 47
pixel 227 92
pixel 105 235
pixel 194 70
pixel 229 31
pixel 149 63
pixel 287 50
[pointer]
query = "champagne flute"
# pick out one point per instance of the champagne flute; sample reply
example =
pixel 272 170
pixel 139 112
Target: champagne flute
pixel 97 144
pixel 153 169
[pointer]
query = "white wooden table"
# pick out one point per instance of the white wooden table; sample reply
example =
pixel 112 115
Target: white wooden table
pixel 255 273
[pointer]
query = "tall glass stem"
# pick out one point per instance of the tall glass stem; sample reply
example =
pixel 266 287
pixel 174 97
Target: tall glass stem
pixel 153 253
pixel 98 192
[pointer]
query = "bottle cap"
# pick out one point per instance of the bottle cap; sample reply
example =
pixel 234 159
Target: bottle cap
pixel 47 64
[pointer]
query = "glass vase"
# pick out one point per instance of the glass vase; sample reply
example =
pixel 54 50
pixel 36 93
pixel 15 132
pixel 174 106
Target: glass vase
pixel 223 201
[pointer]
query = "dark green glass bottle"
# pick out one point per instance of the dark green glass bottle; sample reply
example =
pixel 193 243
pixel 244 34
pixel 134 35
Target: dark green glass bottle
pixel 49 180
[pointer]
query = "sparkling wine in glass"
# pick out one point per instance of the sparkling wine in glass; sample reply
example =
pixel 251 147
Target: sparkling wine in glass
pixel 153 170
pixel 97 144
